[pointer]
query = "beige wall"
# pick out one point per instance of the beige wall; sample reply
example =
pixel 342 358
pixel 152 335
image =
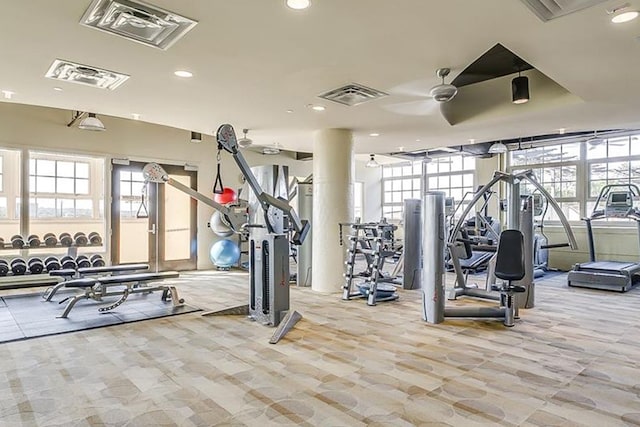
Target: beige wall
pixel 42 128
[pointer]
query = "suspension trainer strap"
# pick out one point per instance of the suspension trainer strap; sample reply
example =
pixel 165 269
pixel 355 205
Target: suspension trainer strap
pixel 143 212
pixel 218 188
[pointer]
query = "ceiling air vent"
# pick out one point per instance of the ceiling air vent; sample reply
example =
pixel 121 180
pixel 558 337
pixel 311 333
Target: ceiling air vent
pixel 85 75
pixel 547 10
pixel 352 94
pixel 137 21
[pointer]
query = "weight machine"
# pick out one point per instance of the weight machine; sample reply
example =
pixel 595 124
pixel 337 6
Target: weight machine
pixel 518 218
pixel 270 220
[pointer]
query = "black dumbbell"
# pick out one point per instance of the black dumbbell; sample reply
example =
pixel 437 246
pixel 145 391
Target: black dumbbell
pixel 34 241
pixel 83 261
pixel 50 239
pixel 80 238
pixel 17 242
pixel 65 239
pixel 4 267
pixel 68 262
pixel 97 260
pixel 35 265
pixel 18 266
pixel 51 263
pixel 95 238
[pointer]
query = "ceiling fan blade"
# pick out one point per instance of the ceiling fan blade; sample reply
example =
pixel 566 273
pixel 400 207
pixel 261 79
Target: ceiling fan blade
pixel 414 88
pixel 423 107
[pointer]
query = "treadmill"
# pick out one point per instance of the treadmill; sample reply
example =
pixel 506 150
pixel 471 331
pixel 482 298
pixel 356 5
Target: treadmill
pixel 618 276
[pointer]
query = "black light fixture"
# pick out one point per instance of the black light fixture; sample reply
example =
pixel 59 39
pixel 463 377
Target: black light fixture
pixel 520 89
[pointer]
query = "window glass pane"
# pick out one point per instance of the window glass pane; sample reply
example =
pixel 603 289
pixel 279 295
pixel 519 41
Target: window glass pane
pixel 66 169
pixel 387 186
pixel 456 163
pixel 84 208
pixel 635 145
pixel 571 152
pixel 407 170
pixel 397 185
pixel 3 207
pixel 82 170
pixel 417 168
pixel 45 185
pixel 432 167
pixel 46 167
pixel 444 164
pixel 64 185
pixel 618 170
pixel 595 187
pixel 66 208
pixel 406 195
pixel 469 163
pixel 82 186
pixel 45 208
pixel 416 194
pixel 456 180
pixel 416 183
pixel 433 183
pixel 597 171
pixel 443 182
pixel 467 180
pixel 597 151
pixel 618 147
pixel 387 197
pixel 396 197
pixel 1 183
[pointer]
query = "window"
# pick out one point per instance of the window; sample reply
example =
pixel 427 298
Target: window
pixel 131 187
pixel 59 187
pixel 399 182
pixel 452 174
pixel 3 199
pixel 358 200
pixel 574 173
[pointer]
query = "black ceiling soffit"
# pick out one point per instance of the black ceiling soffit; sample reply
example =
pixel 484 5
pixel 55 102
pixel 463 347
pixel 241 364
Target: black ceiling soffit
pixel 496 62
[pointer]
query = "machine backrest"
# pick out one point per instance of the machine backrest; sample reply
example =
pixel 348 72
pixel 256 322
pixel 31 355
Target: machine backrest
pixel 510 256
pixel 467 244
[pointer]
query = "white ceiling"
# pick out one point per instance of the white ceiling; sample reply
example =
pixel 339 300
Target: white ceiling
pixel 254 59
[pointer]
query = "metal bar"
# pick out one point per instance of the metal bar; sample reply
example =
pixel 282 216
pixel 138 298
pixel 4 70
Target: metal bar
pixel 201 197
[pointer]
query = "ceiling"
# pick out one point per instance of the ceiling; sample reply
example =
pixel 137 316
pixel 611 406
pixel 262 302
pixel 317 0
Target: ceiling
pixel 253 60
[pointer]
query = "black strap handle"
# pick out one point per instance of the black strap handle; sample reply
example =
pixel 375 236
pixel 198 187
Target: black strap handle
pixel 218 188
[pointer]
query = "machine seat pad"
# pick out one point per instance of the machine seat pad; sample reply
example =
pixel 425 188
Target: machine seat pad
pixel 139 277
pixel 80 283
pixel 510 256
pixel 113 268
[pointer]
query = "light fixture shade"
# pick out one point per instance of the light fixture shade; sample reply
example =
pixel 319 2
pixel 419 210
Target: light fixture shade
pixel 426 159
pixel 196 137
pixel 298 4
pixel 91 122
pixel 372 162
pixel 498 148
pixel 520 89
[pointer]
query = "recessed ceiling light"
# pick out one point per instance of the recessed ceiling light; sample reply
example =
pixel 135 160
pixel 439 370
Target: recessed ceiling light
pixel 625 17
pixel 289 111
pixel 417 140
pixel 401 148
pixel 183 73
pixel 472 141
pixel 316 107
pixel 298 4
pixel 374 134
pixel 8 94
pixel 562 131
pixel 135 116
pixel 57 89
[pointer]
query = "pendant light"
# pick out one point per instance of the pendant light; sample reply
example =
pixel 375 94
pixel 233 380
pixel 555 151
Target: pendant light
pixel 372 162
pixel 520 89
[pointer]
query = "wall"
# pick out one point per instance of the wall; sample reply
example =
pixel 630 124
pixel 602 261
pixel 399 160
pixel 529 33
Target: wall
pixel 43 128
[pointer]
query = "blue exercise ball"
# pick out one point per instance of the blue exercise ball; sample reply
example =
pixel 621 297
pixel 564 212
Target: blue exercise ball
pixel 224 253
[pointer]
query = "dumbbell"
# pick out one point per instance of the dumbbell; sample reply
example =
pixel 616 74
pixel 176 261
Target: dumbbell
pixel 18 266
pixel 68 262
pixel 80 238
pixel 95 238
pixel 34 241
pixel 51 263
pixel 4 267
pixel 35 265
pixel 17 242
pixel 83 261
pixel 50 239
pixel 97 260
pixel 65 239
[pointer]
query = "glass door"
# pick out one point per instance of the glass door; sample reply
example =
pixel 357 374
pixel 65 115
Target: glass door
pixel 153 223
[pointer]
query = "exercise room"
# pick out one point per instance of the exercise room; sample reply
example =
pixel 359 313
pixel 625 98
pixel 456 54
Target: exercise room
pixel 319 213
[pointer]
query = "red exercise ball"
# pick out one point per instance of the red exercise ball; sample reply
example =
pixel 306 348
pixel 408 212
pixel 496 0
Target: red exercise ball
pixel 227 196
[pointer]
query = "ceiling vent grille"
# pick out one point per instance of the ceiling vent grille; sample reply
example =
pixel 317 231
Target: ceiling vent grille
pixel 137 21
pixel 547 10
pixel 85 75
pixel 352 94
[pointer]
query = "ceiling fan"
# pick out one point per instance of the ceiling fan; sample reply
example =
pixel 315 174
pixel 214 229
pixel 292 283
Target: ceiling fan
pixel 431 98
pixel 596 141
pixel 247 143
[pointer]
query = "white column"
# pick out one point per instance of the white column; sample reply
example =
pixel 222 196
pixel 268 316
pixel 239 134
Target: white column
pixel 333 177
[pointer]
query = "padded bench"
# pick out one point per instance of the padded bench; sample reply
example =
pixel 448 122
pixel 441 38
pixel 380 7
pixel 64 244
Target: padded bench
pixel 28 281
pixel 69 274
pixel 97 288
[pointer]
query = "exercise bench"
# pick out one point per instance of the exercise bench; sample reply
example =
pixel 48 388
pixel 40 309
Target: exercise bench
pixel 97 288
pixel 69 273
